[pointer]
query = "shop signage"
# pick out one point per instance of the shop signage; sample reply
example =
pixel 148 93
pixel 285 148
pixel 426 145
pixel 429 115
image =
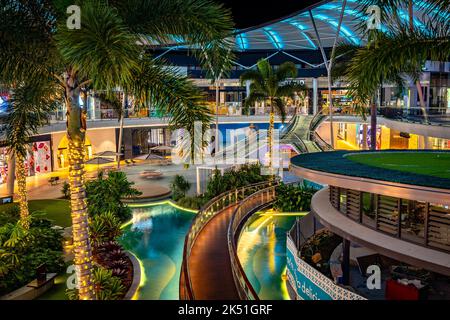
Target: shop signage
pixel 310 284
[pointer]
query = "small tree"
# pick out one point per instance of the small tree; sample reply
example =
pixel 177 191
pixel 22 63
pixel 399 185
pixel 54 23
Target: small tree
pixel 179 186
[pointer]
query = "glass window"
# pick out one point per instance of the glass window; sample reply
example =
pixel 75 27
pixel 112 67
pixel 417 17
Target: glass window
pixel 368 209
pixel 413 215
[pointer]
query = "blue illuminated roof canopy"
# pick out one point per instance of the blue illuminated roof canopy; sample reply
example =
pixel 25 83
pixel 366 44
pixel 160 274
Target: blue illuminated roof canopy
pixel 296 32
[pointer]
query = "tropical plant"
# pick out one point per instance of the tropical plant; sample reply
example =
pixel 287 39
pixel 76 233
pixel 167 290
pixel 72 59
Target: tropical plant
pixel 292 198
pixel 104 227
pixel 23 250
pixel 272 86
pixel 179 187
pixel 107 286
pixel 400 51
pixel 106 194
pixel 195 202
pixel 65 190
pixel 30 106
pixel 233 179
pixel 109 50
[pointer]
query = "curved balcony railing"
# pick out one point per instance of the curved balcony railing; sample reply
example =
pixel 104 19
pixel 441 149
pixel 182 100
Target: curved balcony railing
pixel 247 207
pixel 209 211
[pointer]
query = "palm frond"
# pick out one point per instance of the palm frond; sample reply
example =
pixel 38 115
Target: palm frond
pixel 281 108
pixel 103 49
pixel 286 70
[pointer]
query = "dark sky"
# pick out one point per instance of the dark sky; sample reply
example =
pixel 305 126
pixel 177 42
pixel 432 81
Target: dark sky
pixel 248 13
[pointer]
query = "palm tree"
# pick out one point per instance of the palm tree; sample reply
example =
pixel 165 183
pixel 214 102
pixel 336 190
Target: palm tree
pixel 30 106
pixel 108 51
pixel 389 56
pixel 271 86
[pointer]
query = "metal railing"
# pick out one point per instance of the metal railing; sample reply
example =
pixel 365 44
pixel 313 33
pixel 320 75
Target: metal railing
pixel 322 144
pixel 247 207
pixel 209 211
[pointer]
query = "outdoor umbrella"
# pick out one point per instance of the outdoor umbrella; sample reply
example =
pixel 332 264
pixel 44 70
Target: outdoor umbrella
pixel 149 156
pixel 107 154
pixel 98 161
pixel 161 148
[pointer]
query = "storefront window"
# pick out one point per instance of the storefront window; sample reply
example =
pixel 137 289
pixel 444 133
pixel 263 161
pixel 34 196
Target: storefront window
pixel 368 209
pixel 413 215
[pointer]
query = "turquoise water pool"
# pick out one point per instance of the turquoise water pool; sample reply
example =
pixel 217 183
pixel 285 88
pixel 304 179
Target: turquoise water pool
pixel 262 252
pixel 156 238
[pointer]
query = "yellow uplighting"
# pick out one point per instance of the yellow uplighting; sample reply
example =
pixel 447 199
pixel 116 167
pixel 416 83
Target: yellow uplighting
pixel 143 279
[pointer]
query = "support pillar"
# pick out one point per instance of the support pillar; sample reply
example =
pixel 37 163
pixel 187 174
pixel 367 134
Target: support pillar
pixel 345 262
pixel 315 96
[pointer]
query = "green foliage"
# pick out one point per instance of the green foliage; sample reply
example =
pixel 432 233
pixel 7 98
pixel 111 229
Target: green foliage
pixel 104 227
pixel 107 286
pixel 245 175
pixel 292 198
pixel 192 202
pixel 267 85
pixel 65 190
pixel 179 187
pixel 105 195
pixel 10 214
pixel 22 251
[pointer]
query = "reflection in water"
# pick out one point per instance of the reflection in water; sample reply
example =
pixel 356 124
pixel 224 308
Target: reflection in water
pixel 156 237
pixel 262 252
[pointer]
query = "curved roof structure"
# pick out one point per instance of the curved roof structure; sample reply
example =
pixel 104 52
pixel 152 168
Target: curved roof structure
pixel 297 32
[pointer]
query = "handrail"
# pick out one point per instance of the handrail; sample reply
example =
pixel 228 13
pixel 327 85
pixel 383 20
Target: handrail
pixel 246 207
pixel 322 144
pixel 289 126
pixel 208 211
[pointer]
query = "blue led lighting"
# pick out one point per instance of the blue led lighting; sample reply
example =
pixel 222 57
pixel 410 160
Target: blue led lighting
pixel 274 38
pixel 301 28
pixel 242 42
pixel 347 33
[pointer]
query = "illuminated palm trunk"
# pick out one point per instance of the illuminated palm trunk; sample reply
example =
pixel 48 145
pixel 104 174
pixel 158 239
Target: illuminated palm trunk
pixel 270 140
pixel 76 128
pixel 22 191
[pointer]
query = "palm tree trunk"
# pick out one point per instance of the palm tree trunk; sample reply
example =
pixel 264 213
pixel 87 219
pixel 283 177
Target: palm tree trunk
pixel 76 128
pixel 418 86
pixel 270 140
pixel 373 126
pixel 11 174
pixel 122 115
pixel 22 191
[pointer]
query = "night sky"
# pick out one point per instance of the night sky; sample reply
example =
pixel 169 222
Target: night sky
pixel 249 13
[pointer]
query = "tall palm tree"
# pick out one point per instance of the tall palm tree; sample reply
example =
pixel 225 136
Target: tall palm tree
pixel 30 106
pixel 271 86
pixel 108 51
pixel 400 51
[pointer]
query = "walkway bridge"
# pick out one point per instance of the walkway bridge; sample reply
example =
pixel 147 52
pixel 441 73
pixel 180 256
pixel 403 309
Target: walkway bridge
pixel 211 269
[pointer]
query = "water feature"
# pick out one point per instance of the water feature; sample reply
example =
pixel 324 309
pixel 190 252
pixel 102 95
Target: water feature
pixel 156 237
pixel 262 252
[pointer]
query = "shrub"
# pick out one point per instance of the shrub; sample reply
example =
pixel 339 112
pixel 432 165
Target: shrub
pixel 245 175
pixel 179 187
pixel 192 202
pixel 22 251
pixel 65 190
pixel 107 286
pixel 104 227
pixel 106 194
pixel 9 215
pixel 292 198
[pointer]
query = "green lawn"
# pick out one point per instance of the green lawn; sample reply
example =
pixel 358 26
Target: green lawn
pixel 57 210
pixel 430 164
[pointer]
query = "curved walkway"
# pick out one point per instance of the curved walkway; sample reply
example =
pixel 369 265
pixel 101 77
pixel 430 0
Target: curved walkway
pixel 209 262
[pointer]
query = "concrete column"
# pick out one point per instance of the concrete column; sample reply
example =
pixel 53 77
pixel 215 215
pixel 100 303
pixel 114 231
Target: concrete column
pixel 345 262
pixel 128 143
pixel 247 88
pixel 315 96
